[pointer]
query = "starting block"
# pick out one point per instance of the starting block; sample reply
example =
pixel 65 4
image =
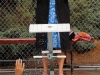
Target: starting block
pixel 49 28
pixel 40 28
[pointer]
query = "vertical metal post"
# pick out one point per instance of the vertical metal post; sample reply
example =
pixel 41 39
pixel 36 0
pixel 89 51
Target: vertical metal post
pixel 71 53
pixel 50 47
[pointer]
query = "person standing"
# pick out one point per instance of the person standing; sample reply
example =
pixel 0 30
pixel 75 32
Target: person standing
pixel 53 12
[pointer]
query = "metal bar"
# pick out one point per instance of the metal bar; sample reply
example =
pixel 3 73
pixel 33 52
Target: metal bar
pixel 56 69
pixel 51 56
pixel 51 72
pixel 54 51
pixel 22 60
pixel 89 66
pixel 59 56
pixel 7 71
pixel 50 47
pixel 71 53
pixel 39 56
pixel 72 68
pixel 26 69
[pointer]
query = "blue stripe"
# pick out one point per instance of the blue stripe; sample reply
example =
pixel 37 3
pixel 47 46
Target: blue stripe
pixel 52 19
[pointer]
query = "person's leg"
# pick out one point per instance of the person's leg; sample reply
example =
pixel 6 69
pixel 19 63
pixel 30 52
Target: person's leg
pixel 66 65
pixel 60 62
pixel 45 65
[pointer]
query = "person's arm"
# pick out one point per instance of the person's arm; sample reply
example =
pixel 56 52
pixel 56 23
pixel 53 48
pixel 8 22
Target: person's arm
pixel 19 67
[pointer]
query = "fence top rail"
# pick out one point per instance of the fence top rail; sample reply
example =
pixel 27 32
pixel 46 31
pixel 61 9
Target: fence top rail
pixel 17 40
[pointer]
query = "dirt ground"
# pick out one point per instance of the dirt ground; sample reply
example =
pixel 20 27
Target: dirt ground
pixel 91 57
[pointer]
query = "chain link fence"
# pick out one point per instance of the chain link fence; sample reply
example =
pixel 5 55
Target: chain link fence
pixel 17 15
